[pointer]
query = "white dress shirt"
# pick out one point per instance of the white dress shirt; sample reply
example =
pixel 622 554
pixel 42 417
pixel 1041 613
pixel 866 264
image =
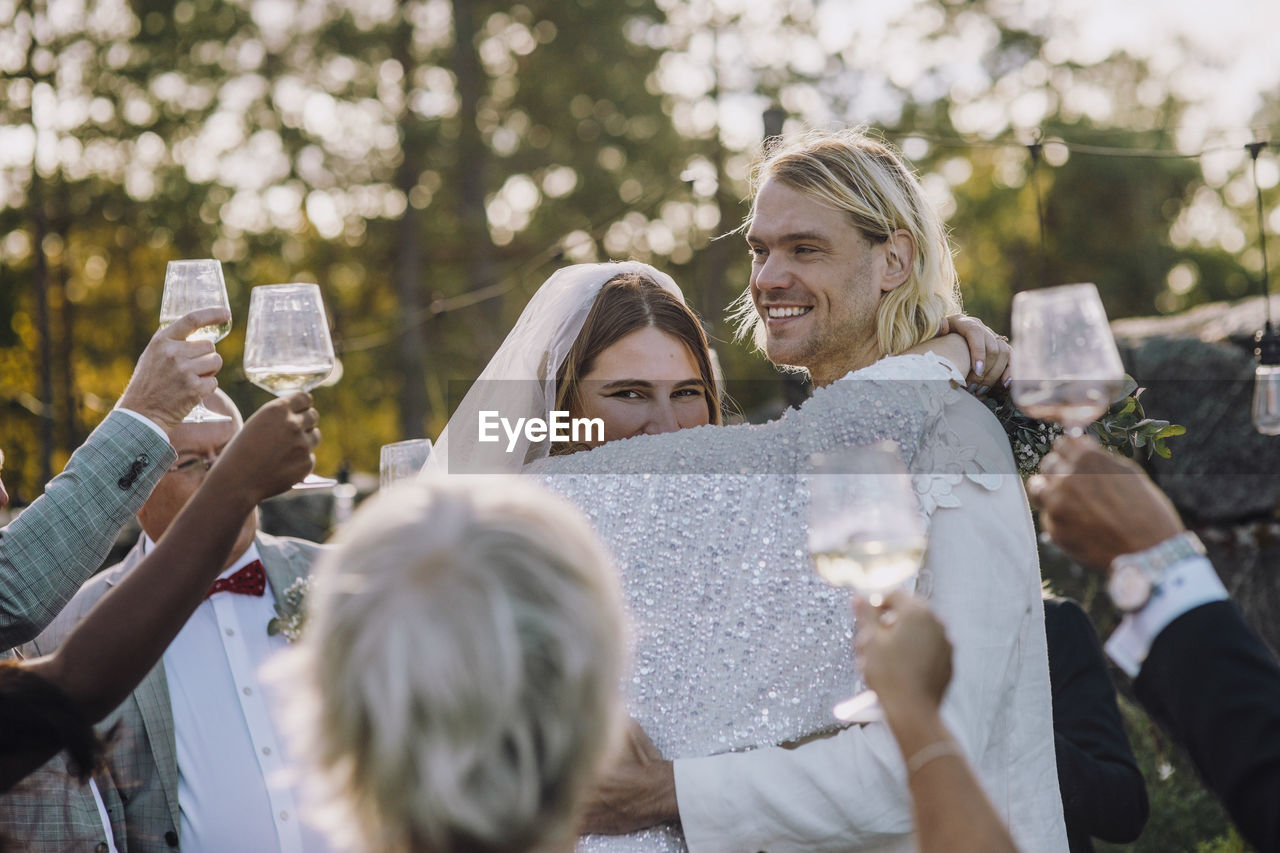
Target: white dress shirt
pixel 141 418
pixel 102 816
pixel 1187 584
pixel 234 789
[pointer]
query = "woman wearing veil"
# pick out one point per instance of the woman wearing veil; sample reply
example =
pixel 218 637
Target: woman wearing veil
pixel 584 317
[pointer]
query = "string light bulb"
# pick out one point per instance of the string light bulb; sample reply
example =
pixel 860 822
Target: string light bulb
pixel 1266 377
pixel 1266 382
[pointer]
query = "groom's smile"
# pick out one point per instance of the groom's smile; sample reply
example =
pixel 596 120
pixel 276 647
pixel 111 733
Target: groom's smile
pixel 776 312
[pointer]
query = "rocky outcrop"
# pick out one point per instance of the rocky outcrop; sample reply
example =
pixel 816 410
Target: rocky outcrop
pixel 1224 477
pixel 1198 368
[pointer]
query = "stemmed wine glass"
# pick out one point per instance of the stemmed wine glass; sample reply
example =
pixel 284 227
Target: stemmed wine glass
pixel 865 533
pixel 287 346
pixel 190 286
pixel 402 460
pixel 1065 365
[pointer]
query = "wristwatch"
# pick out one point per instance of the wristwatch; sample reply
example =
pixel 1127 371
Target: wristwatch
pixel 1135 577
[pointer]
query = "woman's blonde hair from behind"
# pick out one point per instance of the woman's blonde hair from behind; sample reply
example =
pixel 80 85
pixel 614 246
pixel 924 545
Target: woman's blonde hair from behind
pixel 458 672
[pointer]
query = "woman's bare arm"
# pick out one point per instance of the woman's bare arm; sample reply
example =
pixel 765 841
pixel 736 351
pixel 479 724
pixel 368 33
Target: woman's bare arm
pixel 907 660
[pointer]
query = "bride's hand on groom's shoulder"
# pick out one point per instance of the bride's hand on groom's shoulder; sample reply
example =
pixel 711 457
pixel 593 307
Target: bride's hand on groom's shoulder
pixel 989 353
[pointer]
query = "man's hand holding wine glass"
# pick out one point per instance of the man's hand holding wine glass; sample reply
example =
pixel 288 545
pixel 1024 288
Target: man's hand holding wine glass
pixel 1112 509
pixel 173 373
pixel 190 286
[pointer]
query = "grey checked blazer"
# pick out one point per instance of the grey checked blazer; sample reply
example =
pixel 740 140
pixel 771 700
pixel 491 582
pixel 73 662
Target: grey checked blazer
pixel 58 542
pixel 50 811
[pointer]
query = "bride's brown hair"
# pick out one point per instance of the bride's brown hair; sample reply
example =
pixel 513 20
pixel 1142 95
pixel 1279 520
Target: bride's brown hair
pixel 627 303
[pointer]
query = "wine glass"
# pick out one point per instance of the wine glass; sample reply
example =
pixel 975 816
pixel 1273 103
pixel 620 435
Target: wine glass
pixel 865 533
pixel 287 346
pixel 190 286
pixel 402 460
pixel 1065 365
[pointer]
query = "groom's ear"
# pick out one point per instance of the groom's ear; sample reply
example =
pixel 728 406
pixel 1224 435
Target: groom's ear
pixel 899 259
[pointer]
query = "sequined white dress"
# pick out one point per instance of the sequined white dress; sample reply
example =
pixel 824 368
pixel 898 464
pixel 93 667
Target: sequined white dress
pixel 738 647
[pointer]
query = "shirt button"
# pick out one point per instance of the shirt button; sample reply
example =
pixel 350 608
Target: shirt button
pixel 231 632
pixel 266 750
pixel 248 691
pixel 284 815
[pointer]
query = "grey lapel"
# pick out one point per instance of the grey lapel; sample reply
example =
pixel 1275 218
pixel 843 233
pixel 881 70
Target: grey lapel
pixel 152 697
pixel 155 709
pixel 283 561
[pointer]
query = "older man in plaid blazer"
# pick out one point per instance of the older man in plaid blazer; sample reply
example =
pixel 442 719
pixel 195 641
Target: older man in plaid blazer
pixel 195 755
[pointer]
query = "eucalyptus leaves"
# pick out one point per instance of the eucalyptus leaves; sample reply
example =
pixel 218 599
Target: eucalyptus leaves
pixel 1124 428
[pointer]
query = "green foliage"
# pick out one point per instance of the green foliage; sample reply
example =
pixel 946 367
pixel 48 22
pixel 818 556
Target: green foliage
pixel 1029 439
pixel 1125 428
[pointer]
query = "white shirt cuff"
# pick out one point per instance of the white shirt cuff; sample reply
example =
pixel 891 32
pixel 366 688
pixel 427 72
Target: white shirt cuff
pixel 1187 584
pixel 146 420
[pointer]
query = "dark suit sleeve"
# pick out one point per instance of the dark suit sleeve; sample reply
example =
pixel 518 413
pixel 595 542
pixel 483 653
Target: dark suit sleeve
pixel 1215 687
pixel 1103 792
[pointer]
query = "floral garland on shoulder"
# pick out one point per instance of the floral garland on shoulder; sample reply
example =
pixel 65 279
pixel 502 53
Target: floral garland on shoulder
pixel 1125 428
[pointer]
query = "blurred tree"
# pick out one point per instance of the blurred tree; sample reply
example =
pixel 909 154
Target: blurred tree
pixel 336 143
pixel 430 162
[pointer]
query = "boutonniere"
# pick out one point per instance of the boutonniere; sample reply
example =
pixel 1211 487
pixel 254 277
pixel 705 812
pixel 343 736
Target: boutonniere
pixel 291 612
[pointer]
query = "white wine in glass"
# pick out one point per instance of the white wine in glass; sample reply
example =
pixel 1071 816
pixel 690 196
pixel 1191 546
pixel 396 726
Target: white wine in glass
pixel 286 378
pixel 1065 364
pixel 287 347
pixel 190 286
pixel 865 533
pixel 871 566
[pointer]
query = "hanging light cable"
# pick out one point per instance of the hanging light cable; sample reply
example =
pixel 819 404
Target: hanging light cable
pixel 1266 386
pixel 1035 149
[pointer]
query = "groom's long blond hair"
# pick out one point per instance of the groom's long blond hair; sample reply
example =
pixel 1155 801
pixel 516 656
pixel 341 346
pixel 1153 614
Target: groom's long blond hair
pixel 849 171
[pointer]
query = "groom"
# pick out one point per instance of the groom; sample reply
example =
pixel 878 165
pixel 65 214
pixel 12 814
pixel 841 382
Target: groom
pixel 851 264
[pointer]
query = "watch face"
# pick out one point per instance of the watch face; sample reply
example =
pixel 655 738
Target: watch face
pixel 1129 587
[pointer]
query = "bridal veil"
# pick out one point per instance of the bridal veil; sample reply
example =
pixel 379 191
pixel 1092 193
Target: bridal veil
pixel 520 379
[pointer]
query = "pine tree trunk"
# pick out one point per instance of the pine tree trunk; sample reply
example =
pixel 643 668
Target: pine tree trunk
pixel 40 228
pixel 410 349
pixel 477 248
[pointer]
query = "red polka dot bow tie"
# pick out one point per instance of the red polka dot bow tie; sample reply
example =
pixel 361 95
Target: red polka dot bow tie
pixel 249 580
